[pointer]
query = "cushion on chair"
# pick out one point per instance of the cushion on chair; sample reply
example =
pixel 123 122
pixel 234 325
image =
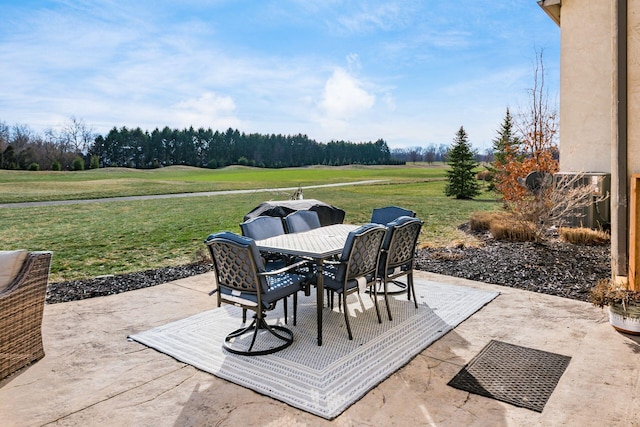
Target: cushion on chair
pixel 279 287
pixel 10 264
pixel 331 281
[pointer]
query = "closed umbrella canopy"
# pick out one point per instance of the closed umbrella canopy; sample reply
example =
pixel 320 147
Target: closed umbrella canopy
pixel 328 214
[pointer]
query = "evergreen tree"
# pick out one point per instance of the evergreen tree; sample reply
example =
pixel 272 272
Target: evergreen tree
pixel 506 150
pixel 461 178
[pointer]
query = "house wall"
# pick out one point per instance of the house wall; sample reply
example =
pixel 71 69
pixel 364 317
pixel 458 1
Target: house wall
pixel 586 85
pixel 633 69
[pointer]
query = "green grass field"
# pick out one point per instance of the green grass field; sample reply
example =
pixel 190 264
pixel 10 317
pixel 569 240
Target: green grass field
pixel 26 186
pixel 94 239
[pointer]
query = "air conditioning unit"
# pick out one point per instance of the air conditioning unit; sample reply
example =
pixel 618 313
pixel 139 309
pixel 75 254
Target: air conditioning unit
pixel 598 213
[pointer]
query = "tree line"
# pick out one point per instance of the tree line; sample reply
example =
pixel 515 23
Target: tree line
pixel 214 149
pixel 76 146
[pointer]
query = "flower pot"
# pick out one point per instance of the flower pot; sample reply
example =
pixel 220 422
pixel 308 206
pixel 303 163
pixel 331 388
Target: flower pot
pixel 626 321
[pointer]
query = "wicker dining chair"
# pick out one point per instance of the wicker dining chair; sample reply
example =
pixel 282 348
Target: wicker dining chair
pixel 22 300
pixel 243 280
pixel 397 256
pixel 357 266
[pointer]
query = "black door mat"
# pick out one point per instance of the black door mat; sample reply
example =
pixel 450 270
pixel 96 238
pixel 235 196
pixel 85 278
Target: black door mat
pixel 521 376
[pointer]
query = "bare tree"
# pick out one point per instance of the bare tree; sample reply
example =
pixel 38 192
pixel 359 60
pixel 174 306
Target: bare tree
pixel 552 200
pixel 5 134
pixel 538 122
pixel 77 135
pixel 415 154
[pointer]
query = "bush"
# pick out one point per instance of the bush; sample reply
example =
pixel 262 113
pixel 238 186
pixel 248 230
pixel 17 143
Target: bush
pixel 584 236
pixel 513 231
pixel 34 167
pixel 94 162
pixel 78 164
pixel 481 221
pixel 56 166
pixel 485 175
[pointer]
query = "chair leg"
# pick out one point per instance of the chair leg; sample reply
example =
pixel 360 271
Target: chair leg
pixel 386 297
pixel 295 308
pixel 284 302
pixel 258 324
pixel 346 314
pixel 412 289
pixel 375 299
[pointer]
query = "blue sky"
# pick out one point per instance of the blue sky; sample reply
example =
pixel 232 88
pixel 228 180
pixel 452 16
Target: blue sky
pixel 410 72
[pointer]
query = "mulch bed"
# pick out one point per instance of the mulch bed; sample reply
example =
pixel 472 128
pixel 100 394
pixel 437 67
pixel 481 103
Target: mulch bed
pixel 554 267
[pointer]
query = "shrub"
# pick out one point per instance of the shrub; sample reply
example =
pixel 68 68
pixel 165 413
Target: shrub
pixel 485 175
pixel 56 166
pixel 513 231
pixel 481 221
pixel 94 162
pixel 78 164
pixel 34 167
pixel 584 236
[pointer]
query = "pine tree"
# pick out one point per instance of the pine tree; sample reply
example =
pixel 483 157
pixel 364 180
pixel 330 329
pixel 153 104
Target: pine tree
pixel 506 150
pixel 506 142
pixel 462 181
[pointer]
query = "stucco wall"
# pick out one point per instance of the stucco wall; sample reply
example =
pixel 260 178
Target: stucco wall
pixel 633 53
pixel 586 85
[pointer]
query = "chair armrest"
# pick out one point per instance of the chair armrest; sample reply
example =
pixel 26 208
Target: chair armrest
pixel 284 269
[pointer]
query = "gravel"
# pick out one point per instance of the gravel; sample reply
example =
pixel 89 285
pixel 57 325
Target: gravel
pixel 553 267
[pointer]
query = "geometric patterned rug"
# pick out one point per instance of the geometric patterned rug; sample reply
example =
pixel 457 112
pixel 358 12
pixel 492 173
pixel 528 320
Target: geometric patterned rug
pixel 322 380
pixel 521 376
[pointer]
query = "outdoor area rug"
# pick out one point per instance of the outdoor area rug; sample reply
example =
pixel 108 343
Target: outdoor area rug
pixel 323 380
pixel 521 376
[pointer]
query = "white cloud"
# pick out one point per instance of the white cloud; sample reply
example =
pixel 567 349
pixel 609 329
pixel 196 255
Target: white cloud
pixel 344 97
pixel 209 110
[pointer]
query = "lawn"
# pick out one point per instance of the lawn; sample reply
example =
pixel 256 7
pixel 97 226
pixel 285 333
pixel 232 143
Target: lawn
pixel 27 186
pixel 95 239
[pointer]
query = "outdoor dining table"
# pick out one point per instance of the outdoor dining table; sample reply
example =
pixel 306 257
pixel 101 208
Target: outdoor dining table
pixel 318 244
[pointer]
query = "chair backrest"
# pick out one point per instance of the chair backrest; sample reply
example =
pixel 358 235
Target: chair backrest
pixel 302 221
pixel 361 251
pixel 389 213
pixel 236 262
pixel 400 241
pixel 262 227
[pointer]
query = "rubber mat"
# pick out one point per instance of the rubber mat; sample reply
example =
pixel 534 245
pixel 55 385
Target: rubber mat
pixel 521 376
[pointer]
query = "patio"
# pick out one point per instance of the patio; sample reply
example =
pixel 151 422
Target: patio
pixel 91 374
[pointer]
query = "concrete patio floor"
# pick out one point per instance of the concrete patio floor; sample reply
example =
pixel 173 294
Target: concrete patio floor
pixel 92 376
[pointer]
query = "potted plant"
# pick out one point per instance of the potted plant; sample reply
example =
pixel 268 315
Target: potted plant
pixel 623 303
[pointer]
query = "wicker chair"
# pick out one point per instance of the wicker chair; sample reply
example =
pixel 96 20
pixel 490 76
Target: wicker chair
pixel 21 309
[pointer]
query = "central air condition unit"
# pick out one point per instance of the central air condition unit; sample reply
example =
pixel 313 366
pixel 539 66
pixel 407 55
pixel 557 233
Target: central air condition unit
pixel 598 213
